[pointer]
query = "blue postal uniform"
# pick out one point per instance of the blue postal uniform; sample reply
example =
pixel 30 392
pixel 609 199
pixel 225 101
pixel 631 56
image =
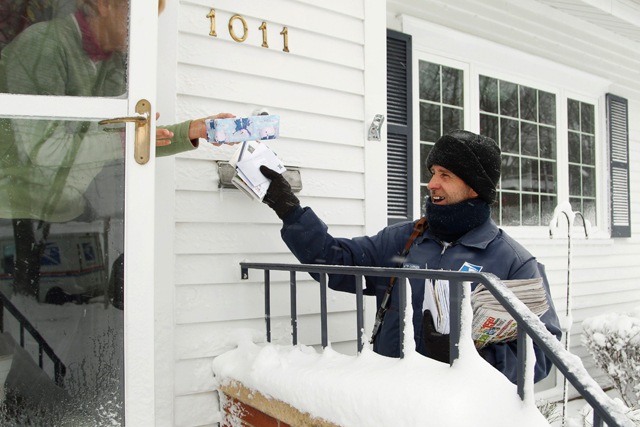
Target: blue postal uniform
pixel 486 247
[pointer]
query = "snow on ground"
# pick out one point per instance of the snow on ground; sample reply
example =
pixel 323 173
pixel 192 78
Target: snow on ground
pixel 373 390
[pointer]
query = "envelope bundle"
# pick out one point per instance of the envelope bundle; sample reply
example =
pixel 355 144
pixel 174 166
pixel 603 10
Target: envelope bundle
pixel 247 161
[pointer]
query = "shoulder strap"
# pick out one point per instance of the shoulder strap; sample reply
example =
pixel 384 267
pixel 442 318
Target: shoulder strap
pixel 418 230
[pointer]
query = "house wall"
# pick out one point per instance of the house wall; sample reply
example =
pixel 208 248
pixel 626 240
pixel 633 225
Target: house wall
pixel 319 90
pixel 603 275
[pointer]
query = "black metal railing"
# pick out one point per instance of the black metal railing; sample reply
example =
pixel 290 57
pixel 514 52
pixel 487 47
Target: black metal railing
pixel 59 370
pixel 529 325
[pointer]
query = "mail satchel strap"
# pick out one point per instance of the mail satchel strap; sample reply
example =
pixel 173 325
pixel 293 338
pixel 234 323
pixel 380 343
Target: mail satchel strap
pixel 418 230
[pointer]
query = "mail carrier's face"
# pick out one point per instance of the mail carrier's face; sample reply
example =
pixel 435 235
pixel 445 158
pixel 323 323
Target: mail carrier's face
pixel 447 188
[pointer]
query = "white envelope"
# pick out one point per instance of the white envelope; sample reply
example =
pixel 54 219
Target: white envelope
pixel 250 166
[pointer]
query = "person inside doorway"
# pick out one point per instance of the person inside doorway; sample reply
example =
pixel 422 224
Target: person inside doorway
pixel 68 176
pixel 47 166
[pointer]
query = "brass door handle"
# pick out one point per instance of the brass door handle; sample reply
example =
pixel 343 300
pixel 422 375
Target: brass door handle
pixel 142 147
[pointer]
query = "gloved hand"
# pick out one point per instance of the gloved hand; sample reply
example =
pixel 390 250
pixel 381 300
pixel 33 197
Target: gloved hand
pixel 436 343
pixel 279 196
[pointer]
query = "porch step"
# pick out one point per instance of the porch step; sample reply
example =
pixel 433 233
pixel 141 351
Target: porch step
pixel 242 406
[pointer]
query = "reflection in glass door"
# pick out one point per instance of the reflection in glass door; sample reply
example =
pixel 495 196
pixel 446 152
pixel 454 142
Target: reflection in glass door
pixel 62 220
pixel 61 239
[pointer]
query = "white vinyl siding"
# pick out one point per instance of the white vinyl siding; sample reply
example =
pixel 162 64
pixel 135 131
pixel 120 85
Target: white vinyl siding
pixel 318 89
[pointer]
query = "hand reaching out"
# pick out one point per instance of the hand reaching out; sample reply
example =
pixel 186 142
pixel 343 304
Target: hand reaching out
pixel 197 129
pixel 162 135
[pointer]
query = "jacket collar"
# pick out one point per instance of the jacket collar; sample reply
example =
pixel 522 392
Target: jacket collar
pixel 479 237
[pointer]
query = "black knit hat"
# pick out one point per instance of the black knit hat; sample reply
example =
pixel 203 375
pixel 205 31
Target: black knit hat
pixel 473 158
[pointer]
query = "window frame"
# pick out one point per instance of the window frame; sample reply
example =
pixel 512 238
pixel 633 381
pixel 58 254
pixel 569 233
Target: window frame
pixel 476 56
pixel 447 62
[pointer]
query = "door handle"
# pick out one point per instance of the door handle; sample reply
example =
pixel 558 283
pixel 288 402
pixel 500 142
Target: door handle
pixel 142 146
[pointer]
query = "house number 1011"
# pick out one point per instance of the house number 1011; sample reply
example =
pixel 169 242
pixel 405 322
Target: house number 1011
pixel 245 30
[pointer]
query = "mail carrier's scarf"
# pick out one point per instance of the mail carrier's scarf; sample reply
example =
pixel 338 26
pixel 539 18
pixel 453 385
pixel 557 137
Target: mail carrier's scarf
pixel 450 222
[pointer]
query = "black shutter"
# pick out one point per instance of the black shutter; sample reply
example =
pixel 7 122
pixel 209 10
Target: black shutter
pixel 399 128
pixel 618 121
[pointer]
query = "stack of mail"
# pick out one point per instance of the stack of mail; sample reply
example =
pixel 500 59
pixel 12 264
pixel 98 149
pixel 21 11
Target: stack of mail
pixel 247 161
pixel 436 300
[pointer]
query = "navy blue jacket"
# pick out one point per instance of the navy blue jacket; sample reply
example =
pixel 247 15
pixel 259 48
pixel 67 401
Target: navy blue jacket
pixel 486 247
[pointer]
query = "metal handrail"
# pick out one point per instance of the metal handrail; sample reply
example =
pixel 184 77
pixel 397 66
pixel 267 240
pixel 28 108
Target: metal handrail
pixel 59 369
pixel 529 325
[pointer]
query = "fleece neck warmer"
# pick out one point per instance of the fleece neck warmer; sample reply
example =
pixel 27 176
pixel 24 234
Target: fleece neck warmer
pixel 450 222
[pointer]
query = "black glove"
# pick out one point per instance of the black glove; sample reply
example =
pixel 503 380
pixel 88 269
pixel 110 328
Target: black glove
pixel 437 344
pixel 279 196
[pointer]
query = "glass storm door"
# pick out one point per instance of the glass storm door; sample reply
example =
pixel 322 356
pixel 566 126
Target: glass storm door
pixel 76 212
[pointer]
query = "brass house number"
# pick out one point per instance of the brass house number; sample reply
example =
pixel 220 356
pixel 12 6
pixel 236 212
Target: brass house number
pixel 245 30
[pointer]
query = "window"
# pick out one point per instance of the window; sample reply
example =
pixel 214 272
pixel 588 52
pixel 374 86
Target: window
pixel 441 98
pixel 522 120
pixel 582 159
pixel 548 119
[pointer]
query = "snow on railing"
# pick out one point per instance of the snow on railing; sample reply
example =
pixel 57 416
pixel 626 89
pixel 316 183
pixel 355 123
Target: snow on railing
pixel 529 325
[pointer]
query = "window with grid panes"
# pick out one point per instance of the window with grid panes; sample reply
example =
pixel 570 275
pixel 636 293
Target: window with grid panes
pixel 441 93
pixel 522 120
pixel 582 159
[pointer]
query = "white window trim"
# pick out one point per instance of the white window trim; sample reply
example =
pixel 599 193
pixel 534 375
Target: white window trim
pixel 447 62
pixel 438 44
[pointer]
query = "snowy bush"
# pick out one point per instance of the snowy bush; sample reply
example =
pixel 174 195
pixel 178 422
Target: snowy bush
pixel 614 342
pixel 585 415
pixel 551 411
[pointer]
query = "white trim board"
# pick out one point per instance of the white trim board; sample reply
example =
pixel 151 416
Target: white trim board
pixel 498 58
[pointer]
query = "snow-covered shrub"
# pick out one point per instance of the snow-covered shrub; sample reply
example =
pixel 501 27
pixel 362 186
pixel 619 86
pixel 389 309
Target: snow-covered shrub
pixel 614 342
pixel 585 415
pixel 552 411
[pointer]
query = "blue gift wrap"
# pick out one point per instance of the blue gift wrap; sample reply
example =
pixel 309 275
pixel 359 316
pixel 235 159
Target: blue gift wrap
pixel 253 128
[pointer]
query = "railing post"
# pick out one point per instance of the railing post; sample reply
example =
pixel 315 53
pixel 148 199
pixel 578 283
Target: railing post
pixel 294 316
pixel 522 361
pixel 323 310
pixel 597 421
pixel 267 303
pixel 402 302
pixel 59 371
pixel 359 311
pixel 455 321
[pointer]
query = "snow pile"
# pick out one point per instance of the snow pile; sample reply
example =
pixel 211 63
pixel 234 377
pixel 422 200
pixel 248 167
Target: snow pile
pixel 373 390
pixel 613 340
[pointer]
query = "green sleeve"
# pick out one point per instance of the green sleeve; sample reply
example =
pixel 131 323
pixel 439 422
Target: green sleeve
pixel 180 141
